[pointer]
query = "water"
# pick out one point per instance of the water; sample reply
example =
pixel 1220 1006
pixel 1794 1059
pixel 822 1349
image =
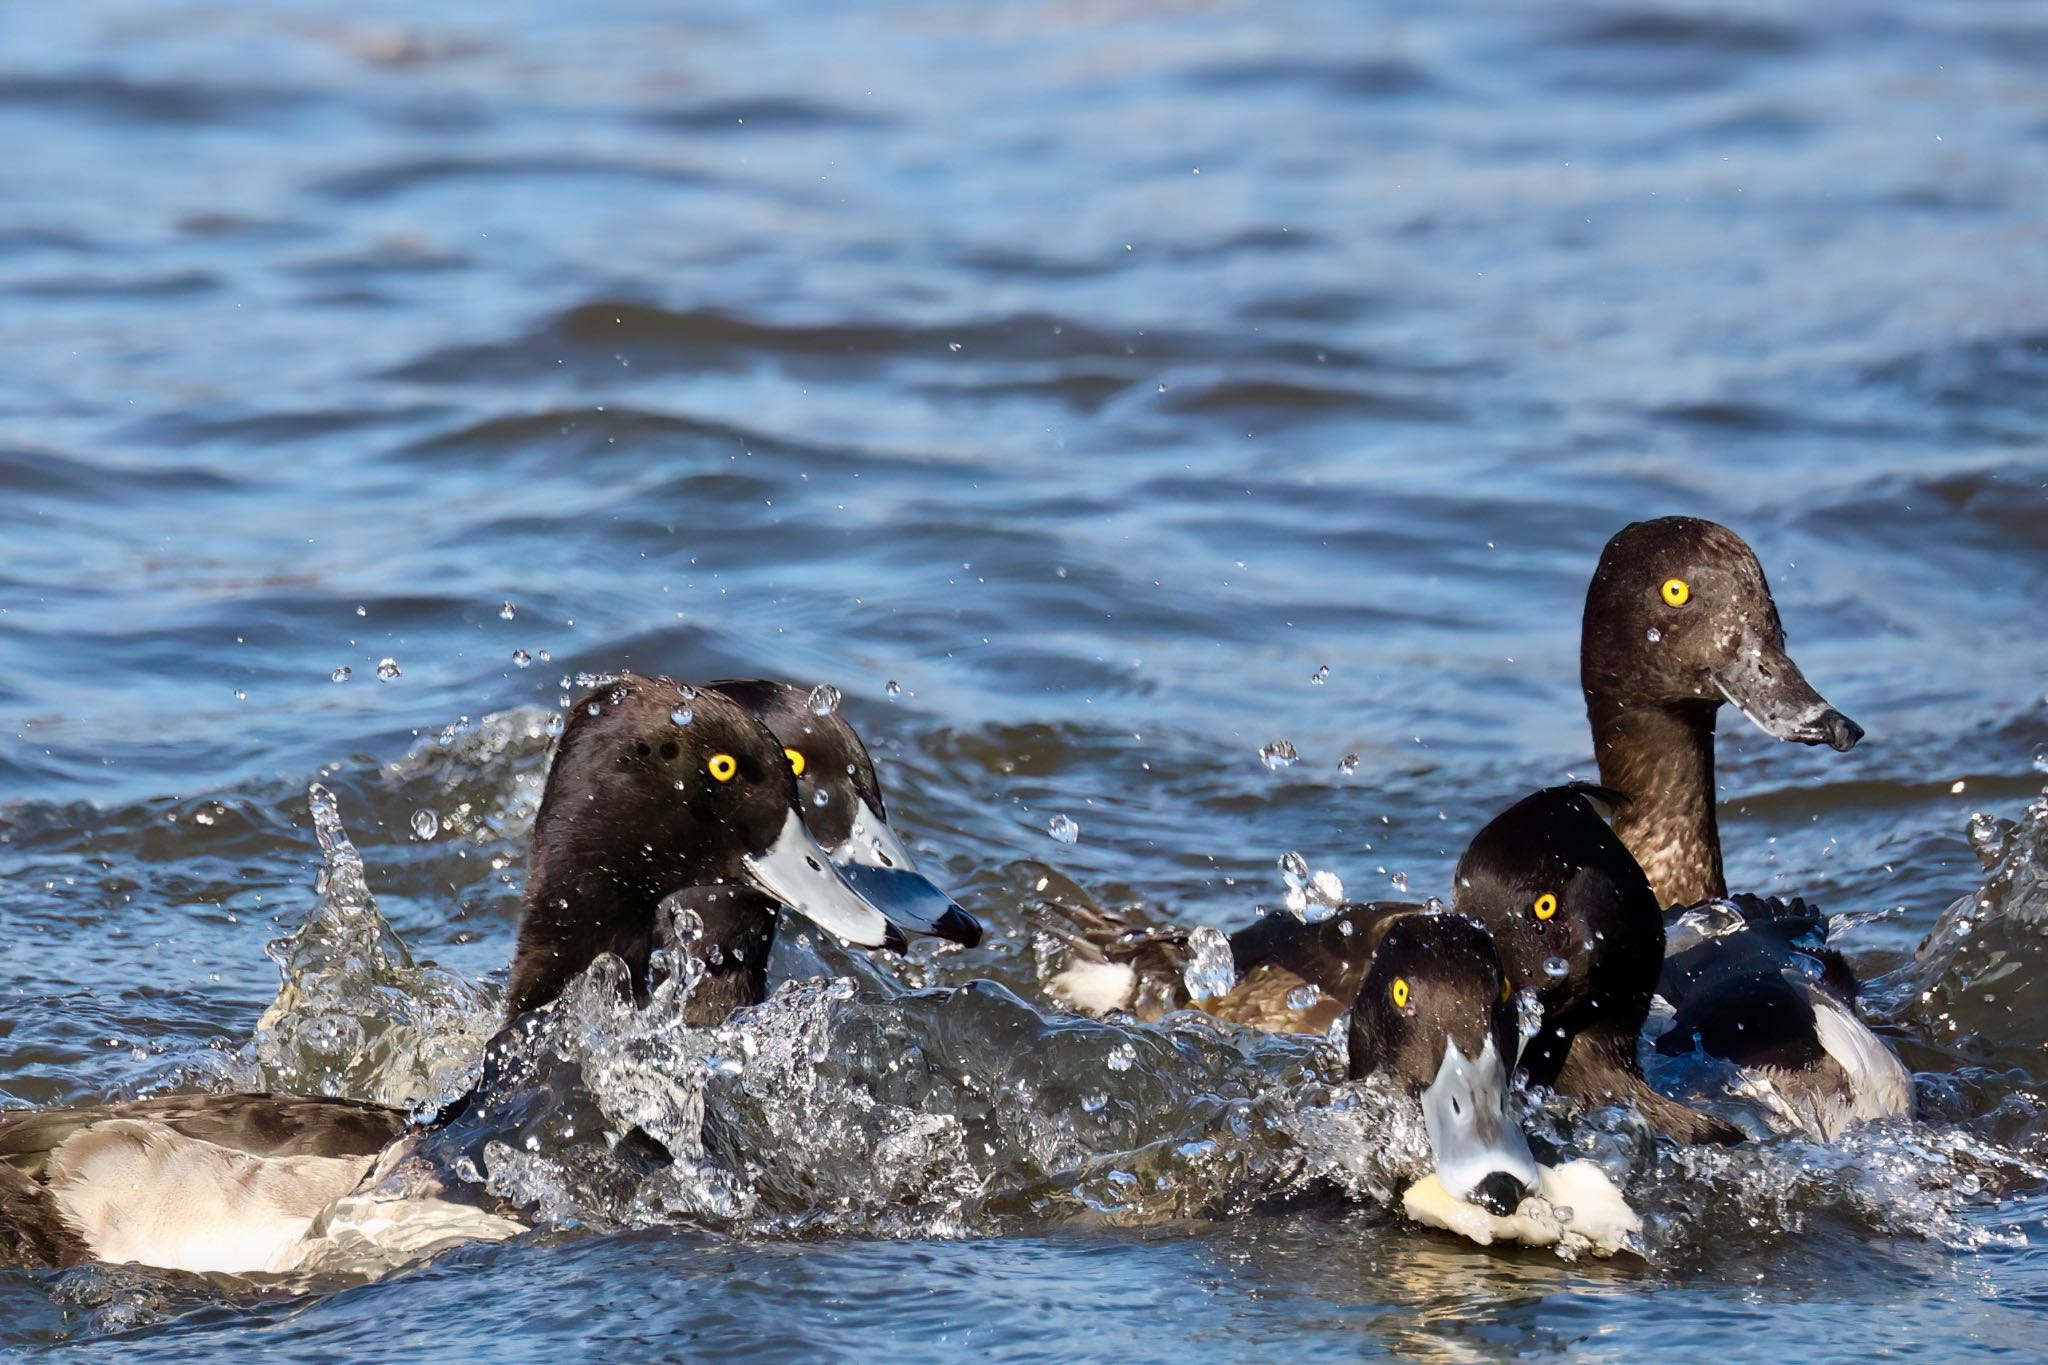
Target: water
pixel 1068 386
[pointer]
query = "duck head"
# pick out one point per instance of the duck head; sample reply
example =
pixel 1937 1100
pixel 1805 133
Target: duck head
pixel 1679 614
pixel 1436 1013
pixel 655 791
pixel 841 798
pixel 1572 915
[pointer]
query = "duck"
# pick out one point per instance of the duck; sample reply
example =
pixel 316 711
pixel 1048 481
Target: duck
pixel 1570 909
pixel 1679 621
pixel 1430 1004
pixel 671 817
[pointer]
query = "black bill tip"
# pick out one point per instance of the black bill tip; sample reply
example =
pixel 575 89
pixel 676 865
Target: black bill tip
pixel 958 926
pixel 1500 1194
pixel 1838 732
pixel 894 941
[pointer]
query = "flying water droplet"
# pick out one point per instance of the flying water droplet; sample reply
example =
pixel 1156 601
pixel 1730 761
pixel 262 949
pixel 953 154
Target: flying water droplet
pixel 555 727
pixel 682 715
pixel 1122 1057
pixel 522 659
pixel 1983 835
pixel 1095 1101
pixel 507 612
pixel 1304 996
pixel 1279 754
pixel 1528 1014
pixel 1211 970
pixel 1400 881
pixel 1556 968
pixel 342 674
pixel 824 699
pixel 1348 764
pixel 1064 828
pixel 893 688
pixel 387 668
pixel 240 695
pixel 1293 868
pixel 1320 676
pixel 425 824
pixel 1655 636
pixel 821 798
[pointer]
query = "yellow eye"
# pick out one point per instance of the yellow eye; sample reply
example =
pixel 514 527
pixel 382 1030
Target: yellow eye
pixel 1546 906
pixel 722 767
pixel 796 761
pixel 1400 992
pixel 1677 591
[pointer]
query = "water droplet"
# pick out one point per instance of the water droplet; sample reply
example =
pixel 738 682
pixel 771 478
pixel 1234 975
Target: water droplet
pixel 387 668
pixel 425 824
pixel 522 659
pixel 554 727
pixel 1304 996
pixel 1320 676
pixel 821 798
pixel 1211 969
pixel 342 674
pixel 1294 868
pixel 507 612
pixel 1348 764
pixel 824 699
pixel 2041 759
pixel 1346 928
pixel 1655 636
pixel 893 688
pixel 545 657
pixel 1983 835
pixel 1277 755
pixel 1400 881
pixel 1095 1101
pixel 682 715
pixel 1064 828
pixel 240 695
pixel 1528 1014
pixel 1556 967
pixel 362 611
pixel 1122 1057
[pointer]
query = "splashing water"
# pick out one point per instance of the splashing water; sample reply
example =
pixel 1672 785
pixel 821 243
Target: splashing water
pixel 824 699
pixel 355 1015
pixel 1064 828
pixel 1211 970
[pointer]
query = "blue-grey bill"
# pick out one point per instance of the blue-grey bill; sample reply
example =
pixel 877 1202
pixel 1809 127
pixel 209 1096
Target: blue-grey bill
pixel 798 872
pixel 1481 1155
pixel 875 861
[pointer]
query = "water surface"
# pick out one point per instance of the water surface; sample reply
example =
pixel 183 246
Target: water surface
pixel 1097 373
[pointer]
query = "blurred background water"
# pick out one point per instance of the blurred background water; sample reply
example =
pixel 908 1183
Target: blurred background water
pixel 1095 372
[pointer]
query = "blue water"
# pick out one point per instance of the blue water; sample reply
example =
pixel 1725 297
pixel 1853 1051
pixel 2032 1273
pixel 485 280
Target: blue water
pixel 1096 372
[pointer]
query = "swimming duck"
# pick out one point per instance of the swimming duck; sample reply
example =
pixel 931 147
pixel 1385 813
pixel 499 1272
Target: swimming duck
pixel 1431 1008
pixel 1679 619
pixel 1567 905
pixel 655 793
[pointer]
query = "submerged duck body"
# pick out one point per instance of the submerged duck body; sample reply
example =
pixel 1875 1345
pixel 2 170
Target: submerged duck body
pixel 1679 620
pixel 1431 1008
pixel 670 819
pixel 1570 912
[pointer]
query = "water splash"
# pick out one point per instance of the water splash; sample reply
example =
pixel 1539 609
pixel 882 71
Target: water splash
pixel 354 1014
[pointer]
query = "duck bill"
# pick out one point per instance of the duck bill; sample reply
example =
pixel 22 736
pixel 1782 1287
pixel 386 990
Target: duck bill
pixel 1769 688
pixel 877 864
pixel 799 873
pixel 1481 1155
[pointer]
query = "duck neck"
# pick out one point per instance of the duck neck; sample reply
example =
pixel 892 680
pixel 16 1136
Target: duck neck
pixel 1662 758
pixel 570 921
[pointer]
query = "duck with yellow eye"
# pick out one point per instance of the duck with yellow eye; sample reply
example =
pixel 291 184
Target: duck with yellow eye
pixel 1436 1016
pixel 841 797
pixel 640 811
pixel 1679 619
